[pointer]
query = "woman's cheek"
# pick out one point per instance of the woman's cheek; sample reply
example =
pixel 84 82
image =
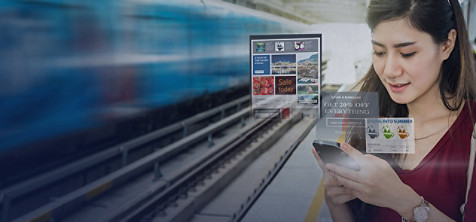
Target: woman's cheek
pixel 378 66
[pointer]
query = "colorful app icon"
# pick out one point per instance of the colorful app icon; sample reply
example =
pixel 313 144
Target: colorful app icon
pixel 260 47
pixel 299 46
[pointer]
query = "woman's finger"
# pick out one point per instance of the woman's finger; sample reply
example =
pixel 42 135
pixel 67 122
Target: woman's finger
pixel 334 191
pixel 344 198
pixel 353 153
pixel 318 158
pixel 349 183
pixel 344 172
pixel 329 180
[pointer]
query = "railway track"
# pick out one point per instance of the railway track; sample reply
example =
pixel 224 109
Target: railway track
pixel 152 183
pixel 180 203
pixel 57 193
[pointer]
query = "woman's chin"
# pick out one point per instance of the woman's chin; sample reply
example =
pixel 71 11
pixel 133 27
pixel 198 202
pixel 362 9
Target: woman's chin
pixel 400 99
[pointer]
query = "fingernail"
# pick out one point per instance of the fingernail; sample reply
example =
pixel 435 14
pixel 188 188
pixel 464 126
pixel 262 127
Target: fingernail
pixel 344 146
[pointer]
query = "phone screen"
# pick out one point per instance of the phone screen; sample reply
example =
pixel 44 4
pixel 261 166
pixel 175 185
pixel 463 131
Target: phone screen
pixel 330 152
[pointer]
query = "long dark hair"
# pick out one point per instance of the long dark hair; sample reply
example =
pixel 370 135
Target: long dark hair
pixel 457 75
pixel 437 18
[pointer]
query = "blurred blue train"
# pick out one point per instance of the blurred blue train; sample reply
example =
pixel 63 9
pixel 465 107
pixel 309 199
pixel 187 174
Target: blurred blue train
pixel 67 66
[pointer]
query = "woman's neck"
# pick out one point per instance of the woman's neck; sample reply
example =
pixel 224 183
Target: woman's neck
pixel 427 109
pixel 428 106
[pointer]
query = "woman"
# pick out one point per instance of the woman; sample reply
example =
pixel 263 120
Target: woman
pixel 422 68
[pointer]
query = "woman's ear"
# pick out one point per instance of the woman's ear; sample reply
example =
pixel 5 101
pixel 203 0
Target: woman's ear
pixel 448 46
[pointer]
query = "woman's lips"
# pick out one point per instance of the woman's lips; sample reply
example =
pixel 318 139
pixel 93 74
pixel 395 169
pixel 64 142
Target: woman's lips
pixel 398 87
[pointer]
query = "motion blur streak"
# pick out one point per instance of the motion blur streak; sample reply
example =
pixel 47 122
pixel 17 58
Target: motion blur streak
pixel 67 66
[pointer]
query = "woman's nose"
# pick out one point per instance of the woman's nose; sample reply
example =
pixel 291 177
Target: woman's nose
pixel 393 67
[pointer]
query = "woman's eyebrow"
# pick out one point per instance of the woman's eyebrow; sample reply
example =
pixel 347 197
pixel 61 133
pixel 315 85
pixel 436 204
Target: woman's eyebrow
pixel 403 44
pixel 399 45
pixel 377 43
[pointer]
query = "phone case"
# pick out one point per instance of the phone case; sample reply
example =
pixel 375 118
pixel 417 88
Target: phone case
pixel 330 152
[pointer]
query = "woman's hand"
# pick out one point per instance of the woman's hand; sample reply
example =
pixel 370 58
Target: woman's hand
pixel 334 191
pixel 375 183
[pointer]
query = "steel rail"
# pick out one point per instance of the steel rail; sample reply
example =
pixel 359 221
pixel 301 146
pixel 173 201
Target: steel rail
pixel 193 176
pixel 9 194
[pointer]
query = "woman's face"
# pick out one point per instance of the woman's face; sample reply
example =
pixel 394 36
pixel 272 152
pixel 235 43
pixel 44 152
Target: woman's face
pixel 407 61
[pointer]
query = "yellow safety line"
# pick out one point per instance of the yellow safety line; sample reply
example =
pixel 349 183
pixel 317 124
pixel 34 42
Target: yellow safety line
pixel 98 190
pixel 45 217
pixel 316 204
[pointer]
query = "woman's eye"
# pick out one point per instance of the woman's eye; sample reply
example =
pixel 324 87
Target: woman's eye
pixel 379 54
pixel 407 55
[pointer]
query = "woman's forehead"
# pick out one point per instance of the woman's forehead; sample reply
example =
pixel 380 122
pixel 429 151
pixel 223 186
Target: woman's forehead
pixel 397 31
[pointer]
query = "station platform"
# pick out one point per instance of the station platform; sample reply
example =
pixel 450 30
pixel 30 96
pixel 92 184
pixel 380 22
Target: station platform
pixel 296 193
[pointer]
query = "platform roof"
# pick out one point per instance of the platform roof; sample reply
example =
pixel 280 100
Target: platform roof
pixel 312 11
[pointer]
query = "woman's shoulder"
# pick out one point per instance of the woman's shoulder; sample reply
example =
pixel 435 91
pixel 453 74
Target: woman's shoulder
pixel 472 103
pixel 468 108
pixel 463 126
pixel 468 116
pixel 473 113
pixel 472 109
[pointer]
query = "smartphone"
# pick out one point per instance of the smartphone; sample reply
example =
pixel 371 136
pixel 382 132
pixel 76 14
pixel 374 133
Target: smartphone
pixel 330 152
